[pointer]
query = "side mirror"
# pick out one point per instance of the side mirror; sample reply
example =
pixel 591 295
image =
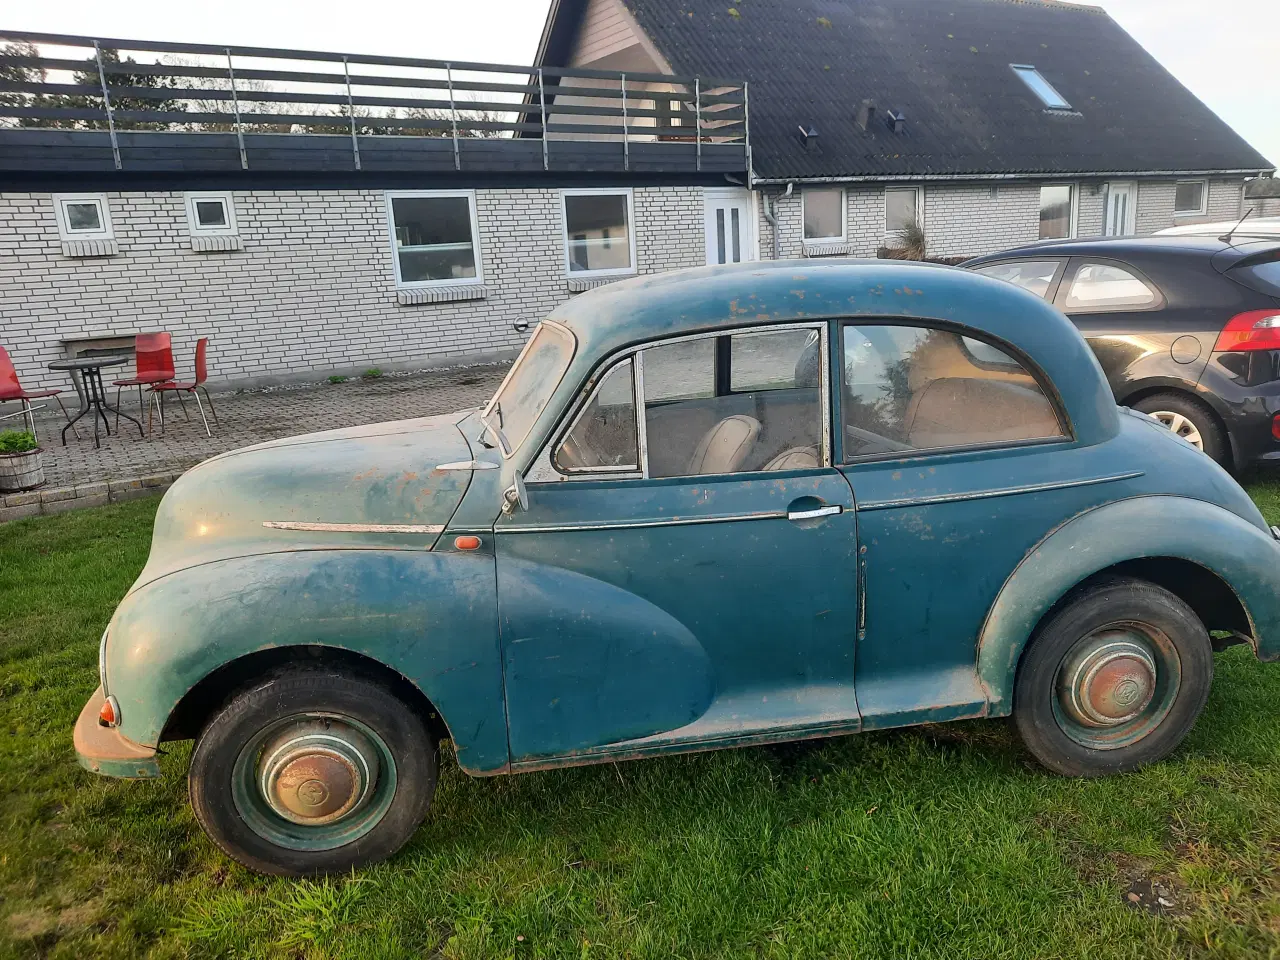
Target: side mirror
pixel 515 497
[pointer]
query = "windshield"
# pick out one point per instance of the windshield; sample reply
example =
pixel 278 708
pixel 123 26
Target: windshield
pixel 529 385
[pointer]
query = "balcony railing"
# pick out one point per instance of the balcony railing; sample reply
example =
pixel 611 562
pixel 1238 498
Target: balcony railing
pixel 124 88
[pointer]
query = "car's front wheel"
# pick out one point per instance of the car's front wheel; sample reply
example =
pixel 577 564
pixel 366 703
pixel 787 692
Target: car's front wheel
pixel 1113 680
pixel 310 771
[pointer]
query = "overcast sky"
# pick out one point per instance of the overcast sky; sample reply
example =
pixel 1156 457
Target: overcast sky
pixel 1225 51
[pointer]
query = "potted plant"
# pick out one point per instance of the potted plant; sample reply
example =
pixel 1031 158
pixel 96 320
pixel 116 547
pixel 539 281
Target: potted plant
pixel 21 465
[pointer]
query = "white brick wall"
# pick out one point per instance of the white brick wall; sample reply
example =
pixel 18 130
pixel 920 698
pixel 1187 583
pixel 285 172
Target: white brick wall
pixel 964 220
pixel 311 290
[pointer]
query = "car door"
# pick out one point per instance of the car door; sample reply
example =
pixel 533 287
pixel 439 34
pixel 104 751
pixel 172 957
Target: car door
pixel 956 450
pixel 685 570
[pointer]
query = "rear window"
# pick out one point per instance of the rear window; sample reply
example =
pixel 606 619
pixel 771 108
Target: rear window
pixel 1263 277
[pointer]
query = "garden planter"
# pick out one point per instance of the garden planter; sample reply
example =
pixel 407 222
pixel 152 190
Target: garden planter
pixel 21 471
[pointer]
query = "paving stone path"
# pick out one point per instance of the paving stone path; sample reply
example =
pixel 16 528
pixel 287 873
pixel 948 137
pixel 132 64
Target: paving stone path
pixel 78 475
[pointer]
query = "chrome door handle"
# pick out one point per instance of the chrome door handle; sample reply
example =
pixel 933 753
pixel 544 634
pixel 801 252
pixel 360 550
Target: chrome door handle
pixel 813 514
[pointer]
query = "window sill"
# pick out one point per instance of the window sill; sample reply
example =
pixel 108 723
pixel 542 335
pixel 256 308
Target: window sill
pixel 89 248
pixel 215 244
pixel 579 284
pixel 408 296
pixel 827 248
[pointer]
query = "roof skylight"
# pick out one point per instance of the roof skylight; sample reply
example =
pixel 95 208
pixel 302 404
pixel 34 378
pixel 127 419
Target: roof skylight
pixel 1041 87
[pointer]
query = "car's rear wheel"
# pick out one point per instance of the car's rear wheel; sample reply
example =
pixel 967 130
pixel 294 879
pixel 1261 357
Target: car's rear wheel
pixel 1115 679
pixel 1189 419
pixel 309 771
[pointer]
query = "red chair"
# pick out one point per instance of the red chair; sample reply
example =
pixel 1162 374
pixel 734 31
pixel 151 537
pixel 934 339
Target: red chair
pixel 11 389
pixel 193 388
pixel 153 364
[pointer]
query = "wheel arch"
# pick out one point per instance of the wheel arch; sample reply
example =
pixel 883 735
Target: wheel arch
pixel 1219 564
pixel 210 694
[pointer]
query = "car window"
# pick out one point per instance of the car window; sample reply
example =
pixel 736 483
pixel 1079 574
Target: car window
pixel 1105 286
pixel 530 382
pixel 603 438
pixel 1034 275
pixel 767 414
pixel 918 388
pixel 1263 277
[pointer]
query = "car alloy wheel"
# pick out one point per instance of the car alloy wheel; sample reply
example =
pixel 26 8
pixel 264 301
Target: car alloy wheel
pixel 1180 425
pixel 313 781
pixel 1116 685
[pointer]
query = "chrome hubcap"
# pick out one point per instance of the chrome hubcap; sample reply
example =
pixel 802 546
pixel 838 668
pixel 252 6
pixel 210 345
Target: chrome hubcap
pixel 1109 683
pixel 1116 685
pixel 314 781
pixel 317 772
pixel 1180 425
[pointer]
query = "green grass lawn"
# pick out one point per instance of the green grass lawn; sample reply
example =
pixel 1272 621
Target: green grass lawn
pixel 934 842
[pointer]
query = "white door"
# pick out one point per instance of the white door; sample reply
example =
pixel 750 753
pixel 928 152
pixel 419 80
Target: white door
pixel 729 221
pixel 1122 203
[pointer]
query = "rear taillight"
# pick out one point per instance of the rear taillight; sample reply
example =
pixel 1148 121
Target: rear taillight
pixel 1252 330
pixel 1275 426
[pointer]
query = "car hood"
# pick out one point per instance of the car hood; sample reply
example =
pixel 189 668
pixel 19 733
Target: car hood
pixel 315 491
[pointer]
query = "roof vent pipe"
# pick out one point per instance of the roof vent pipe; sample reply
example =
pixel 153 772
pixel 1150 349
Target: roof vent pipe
pixel 896 121
pixel 866 113
pixel 809 137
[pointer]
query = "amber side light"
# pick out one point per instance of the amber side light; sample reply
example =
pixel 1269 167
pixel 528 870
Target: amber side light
pixel 109 716
pixel 467 543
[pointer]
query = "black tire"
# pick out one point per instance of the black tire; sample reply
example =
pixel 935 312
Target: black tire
pixel 1213 439
pixel 306 691
pixel 1097 614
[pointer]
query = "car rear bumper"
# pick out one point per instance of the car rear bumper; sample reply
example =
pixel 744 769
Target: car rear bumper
pixel 105 751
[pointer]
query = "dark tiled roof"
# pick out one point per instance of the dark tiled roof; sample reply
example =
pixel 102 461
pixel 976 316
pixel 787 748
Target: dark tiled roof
pixel 945 65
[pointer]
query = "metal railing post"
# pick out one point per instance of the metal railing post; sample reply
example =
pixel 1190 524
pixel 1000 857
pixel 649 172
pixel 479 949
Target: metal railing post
pixel 542 104
pixel 746 131
pixel 235 106
pixel 351 113
pixel 626 141
pixel 697 121
pixel 106 102
pixel 453 113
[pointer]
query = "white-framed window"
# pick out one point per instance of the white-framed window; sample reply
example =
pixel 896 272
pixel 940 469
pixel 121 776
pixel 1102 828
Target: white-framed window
pixel 1057 211
pixel 1041 87
pixel 599 240
pixel 903 206
pixel 1190 198
pixel 211 214
pixel 434 237
pixel 824 214
pixel 83 216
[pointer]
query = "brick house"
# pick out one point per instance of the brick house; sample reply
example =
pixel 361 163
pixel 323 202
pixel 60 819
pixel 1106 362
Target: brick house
pixel 420 225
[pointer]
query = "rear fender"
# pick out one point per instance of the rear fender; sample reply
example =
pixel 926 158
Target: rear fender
pixel 1246 558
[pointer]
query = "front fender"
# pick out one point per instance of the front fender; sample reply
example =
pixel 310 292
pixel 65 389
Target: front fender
pixel 1245 557
pixel 432 617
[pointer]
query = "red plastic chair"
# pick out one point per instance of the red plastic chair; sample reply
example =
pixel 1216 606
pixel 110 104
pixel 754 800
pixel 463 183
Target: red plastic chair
pixel 153 364
pixel 11 389
pixel 193 388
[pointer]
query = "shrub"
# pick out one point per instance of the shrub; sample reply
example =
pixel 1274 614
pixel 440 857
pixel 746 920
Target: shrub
pixel 911 243
pixel 372 374
pixel 337 379
pixel 17 441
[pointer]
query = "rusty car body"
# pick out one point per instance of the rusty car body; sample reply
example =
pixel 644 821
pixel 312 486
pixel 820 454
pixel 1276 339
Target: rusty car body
pixel 712 508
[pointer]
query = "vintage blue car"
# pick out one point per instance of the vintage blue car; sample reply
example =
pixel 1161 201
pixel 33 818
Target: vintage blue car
pixel 715 508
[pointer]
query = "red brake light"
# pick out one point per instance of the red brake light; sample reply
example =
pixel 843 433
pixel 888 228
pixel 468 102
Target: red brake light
pixel 1252 330
pixel 1275 426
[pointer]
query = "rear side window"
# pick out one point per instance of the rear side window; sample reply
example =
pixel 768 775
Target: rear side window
pixel 920 388
pixel 1108 287
pixel 1263 277
pixel 1034 275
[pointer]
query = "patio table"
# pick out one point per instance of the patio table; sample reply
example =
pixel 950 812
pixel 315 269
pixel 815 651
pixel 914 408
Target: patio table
pixel 94 395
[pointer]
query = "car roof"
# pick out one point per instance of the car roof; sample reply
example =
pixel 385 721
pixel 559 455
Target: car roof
pixel 1250 227
pixel 705 299
pixel 1197 246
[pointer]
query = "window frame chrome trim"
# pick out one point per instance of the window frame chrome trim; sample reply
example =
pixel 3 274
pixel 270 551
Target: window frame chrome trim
pixel 545 455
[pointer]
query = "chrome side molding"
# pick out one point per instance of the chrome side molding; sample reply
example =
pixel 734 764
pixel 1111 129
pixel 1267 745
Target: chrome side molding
pixel 432 528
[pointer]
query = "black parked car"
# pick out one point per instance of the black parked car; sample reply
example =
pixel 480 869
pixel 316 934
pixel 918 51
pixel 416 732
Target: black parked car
pixel 1187 328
